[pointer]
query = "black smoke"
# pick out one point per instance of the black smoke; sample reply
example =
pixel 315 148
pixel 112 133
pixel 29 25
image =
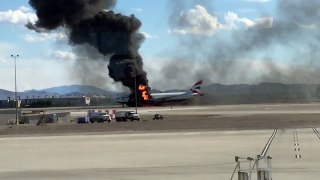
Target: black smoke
pixel 55 13
pixel 92 22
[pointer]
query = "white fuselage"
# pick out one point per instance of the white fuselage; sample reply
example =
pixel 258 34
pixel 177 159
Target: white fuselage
pixel 174 96
pixel 162 97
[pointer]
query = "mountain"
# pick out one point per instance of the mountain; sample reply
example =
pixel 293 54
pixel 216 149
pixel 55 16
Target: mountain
pixel 259 93
pixel 62 91
pixel 155 91
pixel 214 93
pixel 85 90
pixel 4 94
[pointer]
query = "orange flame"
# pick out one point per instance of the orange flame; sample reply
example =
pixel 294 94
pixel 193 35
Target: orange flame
pixel 144 90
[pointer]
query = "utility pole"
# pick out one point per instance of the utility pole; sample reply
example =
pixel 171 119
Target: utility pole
pixel 15 86
pixel 135 92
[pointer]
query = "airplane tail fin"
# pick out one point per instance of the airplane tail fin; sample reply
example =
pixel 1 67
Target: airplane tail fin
pixel 196 88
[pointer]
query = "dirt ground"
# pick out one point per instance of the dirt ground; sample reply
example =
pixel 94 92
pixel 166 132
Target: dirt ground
pixel 173 123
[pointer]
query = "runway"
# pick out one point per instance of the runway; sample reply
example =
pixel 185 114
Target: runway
pixel 184 155
pixel 198 142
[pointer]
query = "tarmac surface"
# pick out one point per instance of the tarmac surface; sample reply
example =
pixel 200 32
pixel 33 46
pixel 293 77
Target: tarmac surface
pixel 191 143
pixel 156 156
pixel 184 118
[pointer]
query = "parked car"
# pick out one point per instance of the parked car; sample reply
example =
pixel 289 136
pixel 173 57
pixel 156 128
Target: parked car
pixel 158 117
pixel 99 117
pixel 127 115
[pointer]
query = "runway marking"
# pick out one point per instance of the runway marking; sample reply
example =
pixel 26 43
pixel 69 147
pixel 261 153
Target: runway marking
pixel 264 151
pixel 296 144
pixel 316 132
pixel 266 148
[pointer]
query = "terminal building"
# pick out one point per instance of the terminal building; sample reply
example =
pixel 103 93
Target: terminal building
pixel 70 101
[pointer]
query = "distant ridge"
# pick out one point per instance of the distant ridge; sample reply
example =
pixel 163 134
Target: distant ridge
pixel 78 89
pixel 259 93
pixel 214 93
pixel 61 91
pixel 4 94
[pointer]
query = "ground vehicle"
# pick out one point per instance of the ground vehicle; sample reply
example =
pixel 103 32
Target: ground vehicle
pixel 99 117
pixel 82 120
pixel 158 117
pixel 127 115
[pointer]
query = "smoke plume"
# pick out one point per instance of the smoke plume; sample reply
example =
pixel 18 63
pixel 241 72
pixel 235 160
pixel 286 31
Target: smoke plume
pixel 91 22
pixel 282 48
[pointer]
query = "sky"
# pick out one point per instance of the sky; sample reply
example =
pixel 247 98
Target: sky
pixel 182 44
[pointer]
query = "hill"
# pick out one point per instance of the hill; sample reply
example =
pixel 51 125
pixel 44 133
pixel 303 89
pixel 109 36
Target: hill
pixel 78 89
pixel 260 93
pixel 214 93
pixel 61 91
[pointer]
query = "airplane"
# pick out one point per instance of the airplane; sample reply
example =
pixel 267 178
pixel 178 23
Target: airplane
pixel 162 98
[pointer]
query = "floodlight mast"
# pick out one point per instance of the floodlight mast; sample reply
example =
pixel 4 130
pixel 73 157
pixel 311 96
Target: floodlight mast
pixel 15 86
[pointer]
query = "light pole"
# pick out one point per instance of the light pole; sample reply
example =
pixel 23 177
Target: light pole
pixel 135 91
pixel 15 85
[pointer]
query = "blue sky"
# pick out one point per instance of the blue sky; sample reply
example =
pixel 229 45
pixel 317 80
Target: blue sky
pixel 47 59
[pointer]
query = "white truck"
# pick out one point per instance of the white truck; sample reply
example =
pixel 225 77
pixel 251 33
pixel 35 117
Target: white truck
pixel 127 115
pixel 99 117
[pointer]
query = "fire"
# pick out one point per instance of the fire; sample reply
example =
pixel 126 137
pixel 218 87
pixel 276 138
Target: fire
pixel 144 90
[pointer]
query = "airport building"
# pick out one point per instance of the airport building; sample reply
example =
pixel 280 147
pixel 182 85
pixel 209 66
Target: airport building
pixel 57 102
